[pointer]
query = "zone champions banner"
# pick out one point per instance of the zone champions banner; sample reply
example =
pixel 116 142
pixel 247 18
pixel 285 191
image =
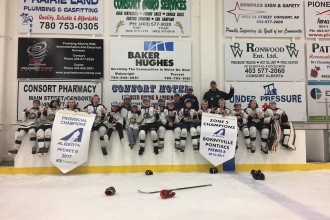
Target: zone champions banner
pixel 218 138
pixel 70 139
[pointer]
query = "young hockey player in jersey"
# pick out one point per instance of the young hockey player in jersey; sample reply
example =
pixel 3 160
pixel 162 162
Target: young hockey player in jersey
pixel 99 124
pixel 242 124
pixel 178 104
pixel 256 122
pixel 278 120
pixel 126 106
pixel 29 125
pixel 115 121
pixel 160 106
pixel 204 108
pixel 188 118
pixel 169 121
pixel 44 133
pixel 192 97
pixel 133 124
pixel 71 105
pixel 222 110
pixel 148 123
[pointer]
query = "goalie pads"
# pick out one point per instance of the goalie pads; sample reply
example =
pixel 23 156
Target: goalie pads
pixel 289 137
pixel 274 137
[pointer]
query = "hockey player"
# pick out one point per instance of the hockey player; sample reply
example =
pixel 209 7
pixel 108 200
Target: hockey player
pixel 169 121
pixel 188 118
pixel 192 97
pixel 133 124
pixel 148 123
pixel 100 122
pixel 204 108
pixel 115 121
pixel 44 133
pixel 126 106
pixel 160 106
pixel 72 105
pixel 278 120
pixel 256 122
pixel 178 104
pixel 241 124
pixel 221 109
pixel 30 122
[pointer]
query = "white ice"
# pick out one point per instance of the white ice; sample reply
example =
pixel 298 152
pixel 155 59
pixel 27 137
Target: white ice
pixel 283 195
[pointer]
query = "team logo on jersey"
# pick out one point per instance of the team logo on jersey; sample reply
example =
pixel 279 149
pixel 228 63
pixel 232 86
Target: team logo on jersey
pixel 220 133
pixel 158 46
pixel 51 117
pixel 74 136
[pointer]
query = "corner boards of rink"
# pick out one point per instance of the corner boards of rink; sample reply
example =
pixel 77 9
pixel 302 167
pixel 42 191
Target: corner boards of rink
pixel 204 168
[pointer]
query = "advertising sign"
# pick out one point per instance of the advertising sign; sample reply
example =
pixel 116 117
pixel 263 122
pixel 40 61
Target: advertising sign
pixel 264 61
pixel 150 18
pixel 317 21
pixel 318 61
pixel 138 60
pixel 60 17
pixel 317 93
pixel 264 18
pixel 60 58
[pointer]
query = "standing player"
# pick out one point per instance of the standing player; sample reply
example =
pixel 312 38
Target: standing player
pixel 148 123
pixel 188 118
pixel 169 121
pixel 99 124
pixel 44 133
pixel 242 124
pixel 30 122
pixel 256 122
pixel 278 120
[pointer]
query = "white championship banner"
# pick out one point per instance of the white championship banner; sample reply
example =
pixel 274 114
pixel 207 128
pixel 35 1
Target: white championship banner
pixel 70 139
pixel 317 22
pixel 218 138
pixel 264 18
pixel 61 16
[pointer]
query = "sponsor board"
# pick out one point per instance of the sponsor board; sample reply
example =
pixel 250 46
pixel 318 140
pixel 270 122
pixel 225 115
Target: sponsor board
pixel 153 90
pixel 289 96
pixel 263 18
pixel 264 61
pixel 61 17
pixel 60 58
pixel 317 21
pixel 150 18
pixel 70 139
pixel 318 93
pixel 138 60
pixel 218 138
pixel 318 61
pixel 45 91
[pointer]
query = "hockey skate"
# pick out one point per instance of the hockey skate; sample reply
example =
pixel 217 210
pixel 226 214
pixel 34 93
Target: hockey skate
pixel 196 148
pixel 161 147
pixel 12 153
pixel 182 148
pixel 141 151
pixel 177 147
pixel 264 150
pixel 156 151
pixel 42 151
pixel 34 150
pixel 104 151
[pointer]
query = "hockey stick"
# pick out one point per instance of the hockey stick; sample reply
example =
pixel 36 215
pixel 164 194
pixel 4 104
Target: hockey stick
pixel 189 187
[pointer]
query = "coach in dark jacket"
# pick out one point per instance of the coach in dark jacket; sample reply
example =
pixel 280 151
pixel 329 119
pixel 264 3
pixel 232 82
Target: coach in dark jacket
pixel 214 94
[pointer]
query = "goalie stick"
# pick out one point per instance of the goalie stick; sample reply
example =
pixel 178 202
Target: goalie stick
pixel 189 187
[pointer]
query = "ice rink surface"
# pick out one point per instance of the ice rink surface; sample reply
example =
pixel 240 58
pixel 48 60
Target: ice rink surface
pixel 283 195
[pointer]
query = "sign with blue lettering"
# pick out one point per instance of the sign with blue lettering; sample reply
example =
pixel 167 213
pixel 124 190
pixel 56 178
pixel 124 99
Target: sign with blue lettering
pixel 289 96
pixel 154 90
pixel 318 61
pixel 264 61
pixel 70 139
pixel 150 18
pixel 218 138
pixel 264 18
pixel 317 21
pixel 317 93
pixel 60 16
pixel 138 60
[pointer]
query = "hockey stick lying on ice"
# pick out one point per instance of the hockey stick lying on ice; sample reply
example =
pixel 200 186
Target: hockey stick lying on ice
pixel 189 187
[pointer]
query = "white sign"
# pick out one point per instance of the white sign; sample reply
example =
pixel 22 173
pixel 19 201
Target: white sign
pixel 150 60
pixel 264 61
pixel 317 21
pixel 318 60
pixel 317 92
pixel 290 96
pixel 218 138
pixel 70 139
pixel 153 90
pixel 264 18
pixel 150 18
pixel 45 91
pixel 61 17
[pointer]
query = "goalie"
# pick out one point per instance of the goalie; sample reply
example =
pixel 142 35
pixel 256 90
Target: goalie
pixel 278 120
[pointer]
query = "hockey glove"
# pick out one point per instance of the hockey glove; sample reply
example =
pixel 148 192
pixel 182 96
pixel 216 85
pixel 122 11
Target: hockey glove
pixel 166 193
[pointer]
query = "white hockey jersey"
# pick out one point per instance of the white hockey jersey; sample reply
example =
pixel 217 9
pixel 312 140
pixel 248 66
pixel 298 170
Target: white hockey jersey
pixel 100 116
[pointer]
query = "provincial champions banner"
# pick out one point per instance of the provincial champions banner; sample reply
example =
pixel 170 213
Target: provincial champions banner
pixel 218 138
pixel 70 139
pixel 60 16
